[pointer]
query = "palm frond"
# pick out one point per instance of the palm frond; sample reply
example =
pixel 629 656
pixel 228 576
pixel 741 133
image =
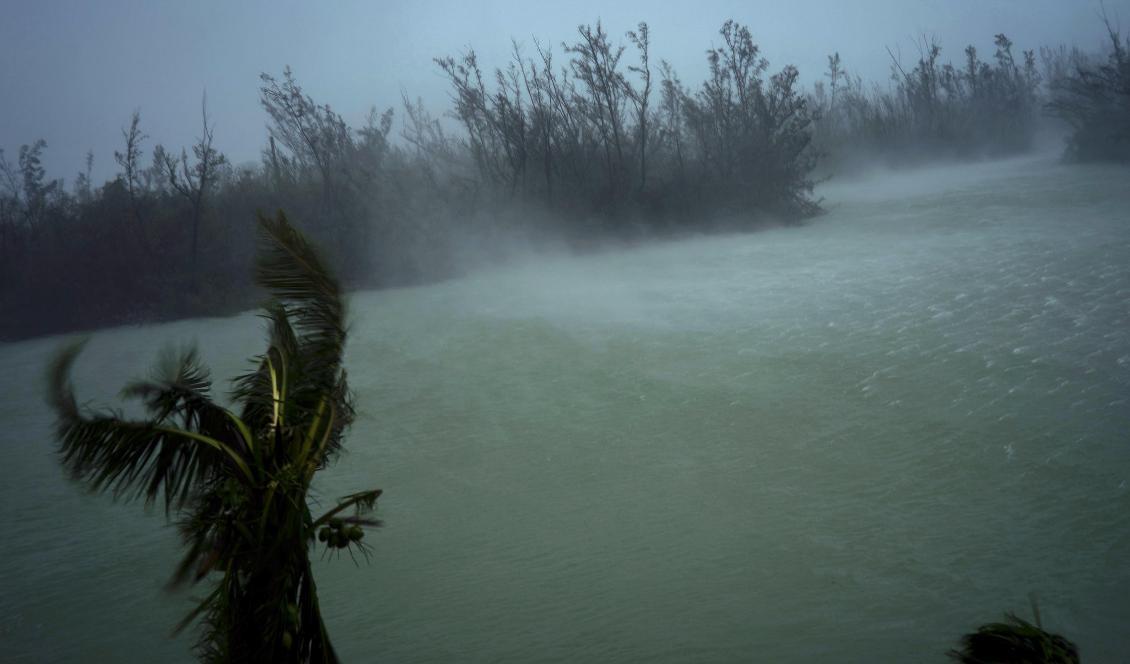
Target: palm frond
pixel 180 382
pixel 256 390
pixel 290 268
pixel 137 458
pixel 181 390
pixel 363 502
pixel 308 332
pixel 1015 641
pixel 206 535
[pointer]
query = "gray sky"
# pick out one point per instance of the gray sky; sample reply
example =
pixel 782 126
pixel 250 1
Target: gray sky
pixel 75 70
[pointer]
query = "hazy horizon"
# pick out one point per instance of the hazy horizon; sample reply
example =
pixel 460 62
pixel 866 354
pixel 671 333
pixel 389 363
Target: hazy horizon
pixel 108 59
pixel 720 368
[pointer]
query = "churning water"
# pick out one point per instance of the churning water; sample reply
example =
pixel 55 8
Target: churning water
pixel 847 442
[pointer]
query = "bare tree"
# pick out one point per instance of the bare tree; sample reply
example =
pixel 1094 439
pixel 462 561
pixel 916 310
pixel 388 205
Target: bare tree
pixel 472 110
pixel 28 187
pixel 672 94
pixel 835 75
pixel 83 188
pixel 640 96
pixel 316 136
pixel 542 120
pixel 10 207
pixel 10 181
pixel 596 64
pixel 192 183
pixel 131 170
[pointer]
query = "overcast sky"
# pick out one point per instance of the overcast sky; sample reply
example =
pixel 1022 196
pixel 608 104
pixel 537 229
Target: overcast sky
pixel 74 71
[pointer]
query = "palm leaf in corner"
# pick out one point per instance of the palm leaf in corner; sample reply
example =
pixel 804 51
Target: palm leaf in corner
pixel 1015 641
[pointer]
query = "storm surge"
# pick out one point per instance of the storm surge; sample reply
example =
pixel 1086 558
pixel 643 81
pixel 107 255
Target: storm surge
pixel 851 440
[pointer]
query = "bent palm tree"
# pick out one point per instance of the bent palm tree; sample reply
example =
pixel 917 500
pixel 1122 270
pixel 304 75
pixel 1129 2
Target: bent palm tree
pixel 240 482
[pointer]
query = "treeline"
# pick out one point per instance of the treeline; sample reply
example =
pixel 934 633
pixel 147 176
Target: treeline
pixel 172 233
pixel 600 146
pixel 616 136
pixel 933 109
pixel 597 139
pixel 1092 95
pixel 978 108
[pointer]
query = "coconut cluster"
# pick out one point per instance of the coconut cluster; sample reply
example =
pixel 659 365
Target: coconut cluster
pixel 338 535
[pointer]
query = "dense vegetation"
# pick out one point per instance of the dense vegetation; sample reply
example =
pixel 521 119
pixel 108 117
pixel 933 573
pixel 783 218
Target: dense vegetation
pixel 241 483
pixel 932 109
pixel 598 140
pixel 1093 98
pixel 590 140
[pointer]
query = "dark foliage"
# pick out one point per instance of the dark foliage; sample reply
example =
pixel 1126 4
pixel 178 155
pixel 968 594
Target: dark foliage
pixel 1094 100
pixel 1015 641
pixel 587 140
pixel 933 109
pixel 602 140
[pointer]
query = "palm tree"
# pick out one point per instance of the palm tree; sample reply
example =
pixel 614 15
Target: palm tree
pixel 1015 641
pixel 240 482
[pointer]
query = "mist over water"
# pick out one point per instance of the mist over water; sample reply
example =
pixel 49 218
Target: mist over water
pixel 850 441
